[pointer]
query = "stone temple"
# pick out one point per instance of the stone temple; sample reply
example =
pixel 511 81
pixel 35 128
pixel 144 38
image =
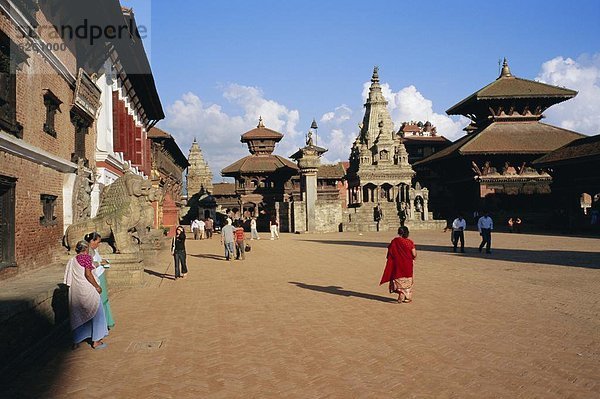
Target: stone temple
pixel 380 189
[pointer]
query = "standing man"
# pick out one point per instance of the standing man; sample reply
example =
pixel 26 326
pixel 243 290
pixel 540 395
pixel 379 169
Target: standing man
pixel 195 226
pixel 208 227
pixel 485 225
pixel 274 227
pixel 458 232
pixel 228 239
pixel 201 225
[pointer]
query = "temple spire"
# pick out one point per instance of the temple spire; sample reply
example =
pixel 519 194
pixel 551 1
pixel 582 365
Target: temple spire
pixel 260 122
pixel 375 77
pixel 505 70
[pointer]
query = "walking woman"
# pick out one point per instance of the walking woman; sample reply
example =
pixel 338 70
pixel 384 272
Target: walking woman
pixel 85 305
pixel 178 252
pixel 399 266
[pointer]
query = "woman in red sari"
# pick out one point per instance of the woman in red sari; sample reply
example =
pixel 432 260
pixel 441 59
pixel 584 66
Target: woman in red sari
pixel 399 266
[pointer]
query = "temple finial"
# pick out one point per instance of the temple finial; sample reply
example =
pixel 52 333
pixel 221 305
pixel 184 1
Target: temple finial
pixel 375 77
pixel 260 122
pixel 194 139
pixel 505 70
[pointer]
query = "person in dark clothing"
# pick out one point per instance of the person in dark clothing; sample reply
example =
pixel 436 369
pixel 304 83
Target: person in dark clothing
pixel 178 252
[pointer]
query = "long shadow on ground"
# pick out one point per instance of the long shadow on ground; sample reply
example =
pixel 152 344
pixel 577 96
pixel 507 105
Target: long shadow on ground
pixel 208 256
pixel 584 259
pixel 161 275
pixel 335 290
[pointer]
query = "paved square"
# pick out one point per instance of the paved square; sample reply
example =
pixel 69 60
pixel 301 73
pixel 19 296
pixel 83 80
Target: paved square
pixel 304 317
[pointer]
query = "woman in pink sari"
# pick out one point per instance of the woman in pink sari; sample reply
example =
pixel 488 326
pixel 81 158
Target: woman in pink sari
pixel 399 266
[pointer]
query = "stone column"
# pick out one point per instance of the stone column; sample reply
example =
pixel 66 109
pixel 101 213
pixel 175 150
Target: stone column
pixel 425 210
pixel 310 182
pixel 308 163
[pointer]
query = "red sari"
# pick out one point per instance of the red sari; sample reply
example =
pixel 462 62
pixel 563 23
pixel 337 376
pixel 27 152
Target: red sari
pixel 399 267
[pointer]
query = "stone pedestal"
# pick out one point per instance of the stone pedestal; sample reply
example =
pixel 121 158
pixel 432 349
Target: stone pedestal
pixel 126 270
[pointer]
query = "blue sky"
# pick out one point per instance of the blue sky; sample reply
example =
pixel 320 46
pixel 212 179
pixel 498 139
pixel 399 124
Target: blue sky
pixel 218 64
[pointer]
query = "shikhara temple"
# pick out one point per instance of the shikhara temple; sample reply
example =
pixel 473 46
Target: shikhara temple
pixel 491 166
pixel 380 177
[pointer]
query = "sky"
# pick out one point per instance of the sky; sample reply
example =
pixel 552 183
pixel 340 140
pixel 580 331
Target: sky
pixel 218 66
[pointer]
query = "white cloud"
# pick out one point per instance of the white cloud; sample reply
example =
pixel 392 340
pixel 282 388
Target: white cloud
pixel 581 114
pixel 340 115
pixel 218 132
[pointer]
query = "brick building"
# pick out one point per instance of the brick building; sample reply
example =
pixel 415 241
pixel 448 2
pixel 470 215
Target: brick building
pixel 47 123
pixel 62 96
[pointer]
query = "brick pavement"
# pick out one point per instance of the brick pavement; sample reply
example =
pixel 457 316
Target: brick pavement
pixel 304 317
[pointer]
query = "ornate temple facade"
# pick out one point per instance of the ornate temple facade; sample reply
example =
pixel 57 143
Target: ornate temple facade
pixel 491 166
pixel 380 176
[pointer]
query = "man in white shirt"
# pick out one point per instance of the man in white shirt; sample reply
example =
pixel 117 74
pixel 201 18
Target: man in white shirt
pixel 195 226
pixel 458 232
pixel 201 225
pixel 485 225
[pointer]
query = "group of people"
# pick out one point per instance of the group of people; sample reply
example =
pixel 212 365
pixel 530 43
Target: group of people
pixel 233 239
pixel 89 308
pixel 485 225
pixel 202 228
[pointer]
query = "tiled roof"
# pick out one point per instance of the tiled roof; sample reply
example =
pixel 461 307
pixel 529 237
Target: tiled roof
pixel 447 152
pixel 156 133
pixel 441 139
pixel 508 137
pixel 578 150
pixel 335 171
pixel 512 87
pixel 261 132
pixel 519 137
pixel 223 189
pixel 258 163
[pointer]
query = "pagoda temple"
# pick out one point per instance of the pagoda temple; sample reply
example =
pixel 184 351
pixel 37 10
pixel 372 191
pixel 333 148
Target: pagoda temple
pixel 379 176
pixel 262 179
pixel 490 167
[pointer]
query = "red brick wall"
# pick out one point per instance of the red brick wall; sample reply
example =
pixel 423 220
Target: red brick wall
pixel 36 245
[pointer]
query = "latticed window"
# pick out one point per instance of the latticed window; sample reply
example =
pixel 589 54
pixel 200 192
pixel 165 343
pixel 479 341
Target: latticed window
pixel 48 203
pixel 82 125
pixel 52 104
pixel 7 221
pixel 8 112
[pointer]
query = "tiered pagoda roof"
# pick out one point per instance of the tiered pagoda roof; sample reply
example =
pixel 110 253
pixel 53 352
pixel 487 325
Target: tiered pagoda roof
pixel 505 119
pixel 261 144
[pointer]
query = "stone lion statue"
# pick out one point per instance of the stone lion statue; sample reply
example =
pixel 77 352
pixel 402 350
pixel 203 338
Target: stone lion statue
pixel 125 215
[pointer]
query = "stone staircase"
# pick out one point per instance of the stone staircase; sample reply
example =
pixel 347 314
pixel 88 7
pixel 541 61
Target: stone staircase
pixel 361 219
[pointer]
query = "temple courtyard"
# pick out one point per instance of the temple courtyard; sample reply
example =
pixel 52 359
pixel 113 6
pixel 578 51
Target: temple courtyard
pixel 304 317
